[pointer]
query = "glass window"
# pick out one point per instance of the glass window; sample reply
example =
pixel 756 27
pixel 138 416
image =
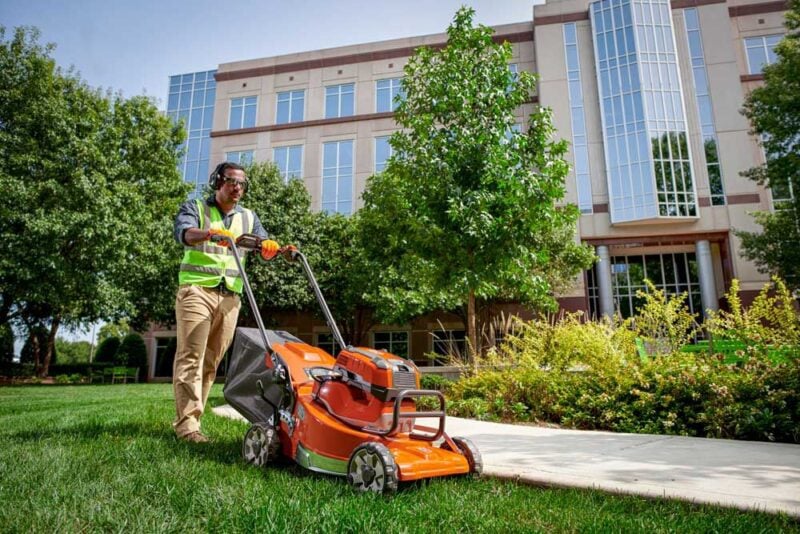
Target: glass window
pixel 327 343
pixel 639 90
pixel 388 92
pixel 393 342
pixel 339 100
pixel 337 177
pixel 291 107
pixel 289 160
pixel 760 52
pixel 243 112
pixel 704 106
pixel 242 157
pixel 165 356
pixel 188 94
pixel 383 151
pixel 580 148
pixel 449 343
pixel 674 273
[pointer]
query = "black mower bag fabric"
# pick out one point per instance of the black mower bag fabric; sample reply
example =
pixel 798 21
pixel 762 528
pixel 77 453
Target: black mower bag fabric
pixel 248 368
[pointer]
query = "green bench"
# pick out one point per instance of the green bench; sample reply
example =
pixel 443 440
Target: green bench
pixel 731 350
pixel 115 375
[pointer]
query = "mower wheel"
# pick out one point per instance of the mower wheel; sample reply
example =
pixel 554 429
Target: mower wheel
pixel 261 444
pixel 470 452
pixel 372 468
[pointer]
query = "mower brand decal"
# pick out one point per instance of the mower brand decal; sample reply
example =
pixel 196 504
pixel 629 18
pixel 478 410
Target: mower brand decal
pixel 301 412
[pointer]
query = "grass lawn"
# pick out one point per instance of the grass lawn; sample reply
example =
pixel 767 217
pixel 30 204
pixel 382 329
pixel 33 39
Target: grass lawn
pixel 89 458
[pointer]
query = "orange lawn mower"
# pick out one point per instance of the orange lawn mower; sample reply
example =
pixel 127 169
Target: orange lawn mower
pixel 354 415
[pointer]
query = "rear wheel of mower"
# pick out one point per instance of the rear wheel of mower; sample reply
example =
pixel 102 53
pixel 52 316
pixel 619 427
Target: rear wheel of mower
pixel 372 468
pixel 470 452
pixel 261 445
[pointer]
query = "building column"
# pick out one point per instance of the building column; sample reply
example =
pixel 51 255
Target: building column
pixel 705 271
pixel 604 290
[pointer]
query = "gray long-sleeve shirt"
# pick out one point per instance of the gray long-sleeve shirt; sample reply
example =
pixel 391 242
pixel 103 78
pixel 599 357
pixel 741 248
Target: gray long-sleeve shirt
pixel 188 217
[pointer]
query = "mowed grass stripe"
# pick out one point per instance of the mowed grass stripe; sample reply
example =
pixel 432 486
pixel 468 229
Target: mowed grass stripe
pixel 89 458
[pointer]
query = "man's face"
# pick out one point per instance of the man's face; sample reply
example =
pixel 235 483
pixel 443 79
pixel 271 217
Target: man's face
pixel 232 187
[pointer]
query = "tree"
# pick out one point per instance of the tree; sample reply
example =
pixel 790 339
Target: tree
pixel 72 351
pixel 107 350
pixel 32 348
pixel 466 209
pixel 285 211
pixel 774 113
pixel 343 273
pixel 329 243
pixel 95 185
pixel 132 352
pixel 6 345
pixel 118 329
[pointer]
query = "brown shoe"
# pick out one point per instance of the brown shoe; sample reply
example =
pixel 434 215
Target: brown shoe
pixel 195 437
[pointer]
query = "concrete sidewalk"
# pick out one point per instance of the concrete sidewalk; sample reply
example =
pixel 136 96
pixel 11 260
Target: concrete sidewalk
pixel 741 474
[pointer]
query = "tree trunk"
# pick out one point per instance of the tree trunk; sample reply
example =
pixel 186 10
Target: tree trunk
pixel 36 350
pixel 472 334
pixel 51 342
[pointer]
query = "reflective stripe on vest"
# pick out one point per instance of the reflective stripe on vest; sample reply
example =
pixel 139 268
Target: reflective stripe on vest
pixel 206 263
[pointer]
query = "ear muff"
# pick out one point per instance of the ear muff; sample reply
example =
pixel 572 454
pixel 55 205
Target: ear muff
pixel 216 178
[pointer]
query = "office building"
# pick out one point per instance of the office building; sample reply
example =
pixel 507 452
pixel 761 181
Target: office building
pixel 648 93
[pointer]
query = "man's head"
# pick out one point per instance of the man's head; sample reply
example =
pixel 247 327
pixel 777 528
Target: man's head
pixel 230 182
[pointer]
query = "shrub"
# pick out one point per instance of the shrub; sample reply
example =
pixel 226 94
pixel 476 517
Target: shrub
pixel 770 320
pixel 437 382
pixel 567 341
pixel 107 350
pixel 132 352
pixel 62 379
pixel 664 322
pixel 584 375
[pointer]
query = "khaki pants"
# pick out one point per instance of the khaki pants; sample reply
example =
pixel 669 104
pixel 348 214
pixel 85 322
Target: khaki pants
pixel 206 324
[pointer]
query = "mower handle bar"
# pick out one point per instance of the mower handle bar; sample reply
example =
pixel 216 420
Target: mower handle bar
pixel 397 414
pixel 290 253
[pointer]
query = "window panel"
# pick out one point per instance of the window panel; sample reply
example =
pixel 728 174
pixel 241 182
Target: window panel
pixel 337 181
pixel 386 91
pixel 761 52
pixel 242 157
pixel 289 160
pixel 383 151
pixel 580 149
pixel 339 100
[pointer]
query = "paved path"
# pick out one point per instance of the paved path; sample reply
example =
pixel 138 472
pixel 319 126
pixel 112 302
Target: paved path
pixel 741 474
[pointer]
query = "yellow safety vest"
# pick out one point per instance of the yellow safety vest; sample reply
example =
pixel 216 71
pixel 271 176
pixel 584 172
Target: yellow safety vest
pixel 206 263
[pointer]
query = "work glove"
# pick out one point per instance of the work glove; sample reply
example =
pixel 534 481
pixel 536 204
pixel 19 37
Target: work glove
pixel 220 232
pixel 269 249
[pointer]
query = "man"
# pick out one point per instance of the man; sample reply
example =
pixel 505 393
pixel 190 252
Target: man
pixel 208 300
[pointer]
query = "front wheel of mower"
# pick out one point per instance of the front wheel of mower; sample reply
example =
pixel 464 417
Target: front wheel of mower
pixel 470 452
pixel 372 468
pixel 261 445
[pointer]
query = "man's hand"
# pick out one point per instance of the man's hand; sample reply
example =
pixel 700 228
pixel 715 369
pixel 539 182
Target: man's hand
pixel 269 249
pixel 220 232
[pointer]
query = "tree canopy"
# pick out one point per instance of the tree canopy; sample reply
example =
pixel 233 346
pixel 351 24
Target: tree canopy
pixel 774 112
pixel 90 185
pixel 329 243
pixel 468 205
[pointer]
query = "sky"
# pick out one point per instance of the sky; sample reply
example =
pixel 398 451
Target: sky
pixel 134 46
